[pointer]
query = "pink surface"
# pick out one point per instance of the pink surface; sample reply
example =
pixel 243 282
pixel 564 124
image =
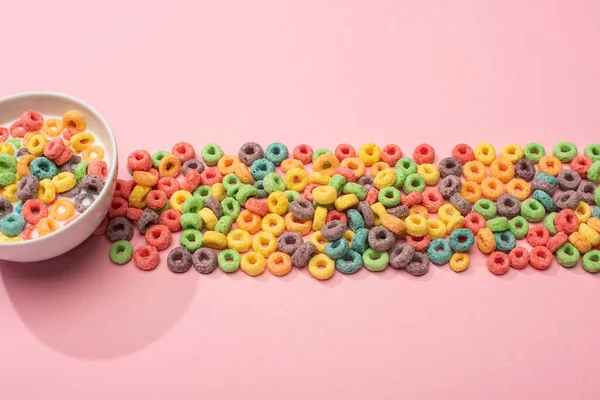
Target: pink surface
pixel 79 327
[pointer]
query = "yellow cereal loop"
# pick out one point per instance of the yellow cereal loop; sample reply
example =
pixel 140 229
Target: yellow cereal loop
pixel 385 178
pixel 393 224
pixel 253 263
pixel 239 240
pixel 93 153
pixel 416 225
pixel 430 174
pixel 369 153
pixel 9 192
pixel 209 219
pixel 273 223
pixel 459 262
pixel 81 141
pixel 36 145
pixel 177 199
pixel 589 234
pixel 319 218
pixel 214 240
pixel 355 164
pixel 46 226
pixel 436 229
pixel 378 167
pixel 446 212
pixel 296 179
pixel 218 191
pixel 6 239
pixel 52 127
pixel 319 241
pixel 62 210
pixel 25 140
pixel 64 182
pixel 137 198
pixel 324 194
pixel 277 203
pixel 264 243
pixel 46 191
pixel 455 223
pixel 6 148
pixel 319 177
pixel 291 163
pixel 512 152
pixel 378 212
pixel 583 212
pixel 485 153
pixel 321 267
pixel 345 202
pixel 23 165
pixel 242 172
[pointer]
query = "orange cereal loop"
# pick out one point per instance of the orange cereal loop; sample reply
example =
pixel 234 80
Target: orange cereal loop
pixel 550 165
pixel 502 169
pixel 369 153
pixel 492 188
pixel 170 166
pixel 226 164
pixel 378 167
pixel 23 165
pixel 486 241
pixel 279 263
pixel 470 191
pixel 73 120
pixel 291 163
pixel 248 221
pixel 294 224
pixel 241 171
pixel 62 210
pixel 92 153
pixel 52 127
pixel 145 178
pixel 418 209
pixel 46 226
pixel 355 164
pixel 518 188
pixel 580 242
pixel 326 164
pixel 474 171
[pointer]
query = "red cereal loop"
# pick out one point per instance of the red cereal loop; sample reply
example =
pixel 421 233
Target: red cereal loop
pixel 424 154
pixel 413 199
pixel 28 232
pixel 556 241
pixel 391 153
pixel 134 213
pixel 127 188
pixel 17 129
pixel 191 181
pixel 581 164
pixel 32 120
pixel 118 186
pixel 336 215
pixel 171 219
pixel 498 263
pixel 184 151
pixel 432 200
pixel 463 152
pixel 146 258
pixel 64 157
pixel 518 258
pixel 303 152
pixel 68 134
pixel 118 208
pixel 474 222
pixel 257 206
pixel 540 257
pixel 101 229
pixel 168 185
pixel 347 173
pixel 210 176
pixel 3 134
pixel 420 243
pixel 158 236
pixel 537 236
pixel 566 221
pixel 98 168
pixel 372 195
pixel 344 150
pixel 139 160
pixel 54 148
pixel 34 210
pixel 307 194
pixel 156 199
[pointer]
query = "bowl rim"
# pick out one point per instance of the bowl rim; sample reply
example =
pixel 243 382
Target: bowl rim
pixel 112 167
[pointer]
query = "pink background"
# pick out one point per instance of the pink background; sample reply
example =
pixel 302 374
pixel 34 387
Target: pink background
pixel 321 73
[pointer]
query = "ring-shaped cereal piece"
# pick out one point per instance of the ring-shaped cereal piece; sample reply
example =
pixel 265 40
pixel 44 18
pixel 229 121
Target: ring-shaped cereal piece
pixel 474 171
pixel 46 191
pixel 459 262
pixel 81 141
pixel 36 144
pixel 73 120
pixel 52 127
pixel 512 153
pixel 226 164
pixel 470 191
pixel 184 151
pixel 170 166
pixel 485 153
pixel 435 228
pixel 355 164
pixel 294 224
pixel 344 150
pixel 518 188
pixel 279 264
pixel 91 153
pixel 23 165
pixel 430 173
pixel 319 178
pixel 583 212
pixel 34 210
pixel 492 188
pixel 391 153
pixel 486 242
pixel 326 164
pixel 291 163
pixel 46 226
pixel 319 241
pixel 424 154
pixel 446 212
pixel 264 243
pixel 378 167
pixel 64 182
pixel 463 153
pixel 324 194
pixel 502 169
pixel 277 203
pixel 498 263
pixel 550 165
pixel 253 263
pixel 296 179
pixel 62 210
pixel 249 221
pixel 369 153
pixel 303 152
pixel 239 240
pixel 274 224
pixel 416 225
pixel 209 219
pixel 321 267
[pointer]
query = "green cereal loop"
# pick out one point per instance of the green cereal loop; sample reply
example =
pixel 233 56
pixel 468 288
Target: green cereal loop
pixel 389 197
pixel 291 196
pixel 229 260
pixel 191 240
pixel 203 192
pixel 192 205
pixel 191 221
pixel 224 224
pixel 273 183
pixel 498 224
pixel 400 178
pixel 549 223
pixel 413 183
pixel 565 151
pixel 211 154
pixel 534 151
pixel 591 261
pixel 81 170
pixel 156 157
pixel 594 172
pixel 230 180
pixel 355 189
pixel 375 260
pixel 486 208
pixel 230 207
pixel 592 151
pixel 519 227
pixel 407 165
pixel 121 252
pixel 320 152
pixel 567 255
pixel 597 196
pixel 532 210
pixel 245 192
pixel 16 143
pixel 7 178
pixel 359 240
pixel 337 182
pixel 234 190
pixel 8 163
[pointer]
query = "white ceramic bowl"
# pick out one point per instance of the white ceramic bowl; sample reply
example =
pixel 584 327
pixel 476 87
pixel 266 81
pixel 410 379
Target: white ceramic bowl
pixel 70 236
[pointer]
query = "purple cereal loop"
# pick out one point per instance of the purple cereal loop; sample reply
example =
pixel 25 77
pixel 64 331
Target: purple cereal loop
pixel 250 152
pixel 381 239
pixel 586 191
pixel 508 205
pixel 333 230
pixel 179 260
pixel 450 166
pixel 119 229
pixel 365 210
pixel 302 255
pixel 538 184
pixel 302 209
pixel 289 242
pixel 401 255
pixel 400 211
pixel 449 186
pixel 189 165
pixel 73 192
pixel 215 206
pixel 461 204
pixel 418 265
pixel 22 152
pixel 93 184
pixel 6 207
pixel 366 181
pixel 70 165
pixel 83 202
pixel 568 180
pixel 27 188
pixel 568 200
pixel 147 219
pixel 205 260
pixel 525 169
